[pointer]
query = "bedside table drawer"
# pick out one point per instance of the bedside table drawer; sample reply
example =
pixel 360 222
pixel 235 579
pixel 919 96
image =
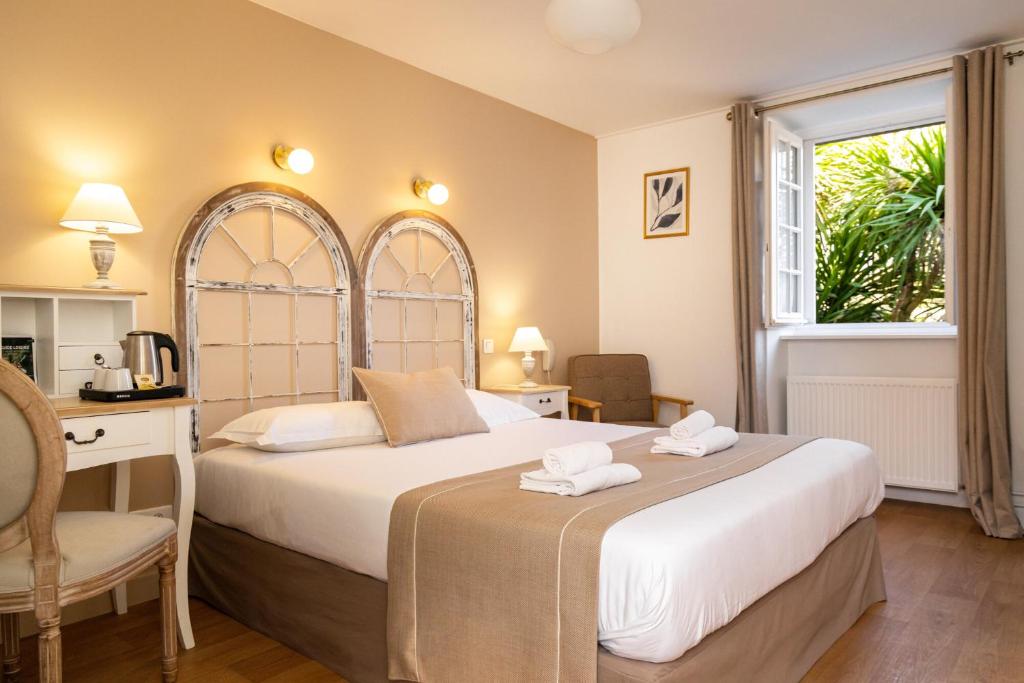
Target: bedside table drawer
pixel 99 432
pixel 543 404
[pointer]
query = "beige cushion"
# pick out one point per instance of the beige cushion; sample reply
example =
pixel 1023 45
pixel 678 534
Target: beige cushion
pixel 18 462
pixel 90 544
pixel 420 406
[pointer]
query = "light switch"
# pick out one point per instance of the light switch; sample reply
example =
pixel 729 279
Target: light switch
pixel 488 346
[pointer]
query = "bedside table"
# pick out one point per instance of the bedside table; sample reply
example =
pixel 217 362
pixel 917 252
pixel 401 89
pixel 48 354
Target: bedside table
pixel 99 433
pixel 543 399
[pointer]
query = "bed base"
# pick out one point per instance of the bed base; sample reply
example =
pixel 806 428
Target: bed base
pixel 338 617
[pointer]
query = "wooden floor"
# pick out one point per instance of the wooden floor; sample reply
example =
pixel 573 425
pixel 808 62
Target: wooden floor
pixel 955 613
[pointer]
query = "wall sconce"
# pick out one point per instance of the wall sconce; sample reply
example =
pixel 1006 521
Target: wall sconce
pixel 435 193
pixel 295 159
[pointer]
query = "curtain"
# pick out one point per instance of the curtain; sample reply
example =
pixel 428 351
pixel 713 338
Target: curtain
pixel 976 129
pixel 748 261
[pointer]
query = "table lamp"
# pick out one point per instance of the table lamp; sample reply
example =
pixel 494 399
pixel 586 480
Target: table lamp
pixel 528 340
pixel 103 209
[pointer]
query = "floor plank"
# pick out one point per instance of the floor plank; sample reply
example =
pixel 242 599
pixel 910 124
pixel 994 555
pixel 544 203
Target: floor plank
pixel 955 613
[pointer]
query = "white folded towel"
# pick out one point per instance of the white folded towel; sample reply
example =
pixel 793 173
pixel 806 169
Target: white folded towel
pixel 577 457
pixel 709 441
pixel 692 425
pixel 580 484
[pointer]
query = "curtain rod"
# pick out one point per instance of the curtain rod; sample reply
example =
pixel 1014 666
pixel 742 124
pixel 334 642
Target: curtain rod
pixel 1009 57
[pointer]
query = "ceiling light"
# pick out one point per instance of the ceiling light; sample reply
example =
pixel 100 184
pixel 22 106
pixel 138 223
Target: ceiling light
pixel 435 193
pixel 294 159
pixel 592 26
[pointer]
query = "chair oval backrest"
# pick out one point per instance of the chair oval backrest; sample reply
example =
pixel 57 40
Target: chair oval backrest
pixel 18 463
pixel 34 458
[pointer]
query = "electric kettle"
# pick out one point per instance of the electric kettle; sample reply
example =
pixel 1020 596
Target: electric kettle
pixel 142 354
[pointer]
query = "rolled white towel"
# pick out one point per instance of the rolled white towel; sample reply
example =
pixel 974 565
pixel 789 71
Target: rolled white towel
pixel 577 457
pixel 709 441
pixel 580 484
pixel 692 425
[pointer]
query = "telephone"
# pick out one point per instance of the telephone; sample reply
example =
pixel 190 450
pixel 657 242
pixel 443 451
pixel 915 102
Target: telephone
pixel 548 359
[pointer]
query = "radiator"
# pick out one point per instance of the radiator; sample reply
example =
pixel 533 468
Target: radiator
pixel 909 423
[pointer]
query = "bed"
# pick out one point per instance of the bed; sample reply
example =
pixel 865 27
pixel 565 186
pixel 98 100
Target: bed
pixel 296 544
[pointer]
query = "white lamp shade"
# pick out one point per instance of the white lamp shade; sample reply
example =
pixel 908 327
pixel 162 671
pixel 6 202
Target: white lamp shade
pixel 527 339
pixel 101 205
pixel 592 26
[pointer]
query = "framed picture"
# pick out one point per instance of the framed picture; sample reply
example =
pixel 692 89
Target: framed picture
pixel 667 203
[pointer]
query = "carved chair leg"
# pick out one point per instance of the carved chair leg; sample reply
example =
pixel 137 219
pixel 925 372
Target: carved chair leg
pixel 12 646
pixel 168 621
pixel 50 650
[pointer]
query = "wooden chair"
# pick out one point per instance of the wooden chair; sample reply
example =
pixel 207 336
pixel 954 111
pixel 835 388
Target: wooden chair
pixel 49 559
pixel 616 387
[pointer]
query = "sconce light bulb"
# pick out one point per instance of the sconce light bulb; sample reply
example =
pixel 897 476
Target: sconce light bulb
pixel 437 194
pixel 300 160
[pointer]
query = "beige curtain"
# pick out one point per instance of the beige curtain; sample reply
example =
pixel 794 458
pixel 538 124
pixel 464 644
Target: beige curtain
pixel 980 233
pixel 748 260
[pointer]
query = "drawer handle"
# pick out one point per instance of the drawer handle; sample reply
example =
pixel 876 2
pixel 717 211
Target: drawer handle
pixel 98 359
pixel 545 400
pixel 70 436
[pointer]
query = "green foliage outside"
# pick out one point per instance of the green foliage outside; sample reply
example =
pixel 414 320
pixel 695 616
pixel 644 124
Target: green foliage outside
pixel 879 205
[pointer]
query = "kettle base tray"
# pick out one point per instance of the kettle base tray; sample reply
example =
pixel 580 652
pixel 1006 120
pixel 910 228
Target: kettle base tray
pixel 171 391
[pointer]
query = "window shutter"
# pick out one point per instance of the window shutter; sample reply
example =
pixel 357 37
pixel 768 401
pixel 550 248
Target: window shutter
pixel 786 186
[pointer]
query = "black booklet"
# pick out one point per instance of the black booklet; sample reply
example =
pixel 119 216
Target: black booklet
pixel 19 352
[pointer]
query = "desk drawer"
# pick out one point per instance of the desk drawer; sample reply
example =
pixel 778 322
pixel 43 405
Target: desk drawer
pixel 116 430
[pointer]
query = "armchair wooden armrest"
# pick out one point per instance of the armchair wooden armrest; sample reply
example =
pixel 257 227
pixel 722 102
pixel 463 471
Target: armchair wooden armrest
pixel 683 403
pixel 574 407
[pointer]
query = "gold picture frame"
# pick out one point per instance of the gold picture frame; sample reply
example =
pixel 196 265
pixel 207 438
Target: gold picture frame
pixel 664 193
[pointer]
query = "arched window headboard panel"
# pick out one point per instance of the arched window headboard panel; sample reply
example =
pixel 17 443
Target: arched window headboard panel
pixel 263 282
pixel 420 293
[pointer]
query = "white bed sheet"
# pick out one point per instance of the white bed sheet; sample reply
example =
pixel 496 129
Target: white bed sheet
pixel 670 574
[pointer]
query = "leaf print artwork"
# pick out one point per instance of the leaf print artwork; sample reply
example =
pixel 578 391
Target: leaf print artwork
pixel 666 203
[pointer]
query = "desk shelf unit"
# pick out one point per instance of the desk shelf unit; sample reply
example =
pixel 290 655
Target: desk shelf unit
pixel 75 330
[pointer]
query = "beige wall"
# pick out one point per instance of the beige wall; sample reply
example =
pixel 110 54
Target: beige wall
pixel 178 100
pixel 671 298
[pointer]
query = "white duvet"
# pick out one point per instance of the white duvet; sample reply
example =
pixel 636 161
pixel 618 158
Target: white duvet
pixel 670 574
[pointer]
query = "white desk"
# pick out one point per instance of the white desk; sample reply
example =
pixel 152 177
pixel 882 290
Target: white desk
pixel 117 433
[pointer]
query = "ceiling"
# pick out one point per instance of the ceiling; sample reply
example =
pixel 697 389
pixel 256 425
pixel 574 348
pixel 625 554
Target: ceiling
pixel 689 56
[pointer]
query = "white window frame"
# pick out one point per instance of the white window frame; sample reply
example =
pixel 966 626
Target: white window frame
pixel 774 134
pixel 806 324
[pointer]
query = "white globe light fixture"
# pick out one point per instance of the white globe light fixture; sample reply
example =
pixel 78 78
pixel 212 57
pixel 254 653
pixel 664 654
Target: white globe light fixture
pixel 592 27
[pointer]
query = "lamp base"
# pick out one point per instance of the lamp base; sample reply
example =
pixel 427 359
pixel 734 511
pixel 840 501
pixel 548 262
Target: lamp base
pixel 529 363
pixel 102 250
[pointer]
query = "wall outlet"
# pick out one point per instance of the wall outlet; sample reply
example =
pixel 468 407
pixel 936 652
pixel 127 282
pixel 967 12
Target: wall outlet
pixel 488 345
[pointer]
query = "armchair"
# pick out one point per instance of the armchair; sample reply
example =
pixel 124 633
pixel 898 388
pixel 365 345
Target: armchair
pixel 616 388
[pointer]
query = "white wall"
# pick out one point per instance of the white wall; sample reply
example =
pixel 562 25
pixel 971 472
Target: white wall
pixel 670 298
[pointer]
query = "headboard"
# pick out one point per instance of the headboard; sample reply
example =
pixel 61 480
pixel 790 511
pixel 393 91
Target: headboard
pixel 420 297
pixel 263 282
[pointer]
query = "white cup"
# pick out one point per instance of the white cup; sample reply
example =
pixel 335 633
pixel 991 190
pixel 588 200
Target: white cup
pixel 118 379
pixel 99 379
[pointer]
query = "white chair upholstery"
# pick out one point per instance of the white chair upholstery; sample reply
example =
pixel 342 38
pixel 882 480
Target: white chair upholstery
pixel 90 544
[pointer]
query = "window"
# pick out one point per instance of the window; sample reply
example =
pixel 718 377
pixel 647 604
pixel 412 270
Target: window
pixel 857 224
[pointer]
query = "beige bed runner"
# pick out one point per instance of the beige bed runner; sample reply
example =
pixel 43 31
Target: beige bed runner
pixel 487 582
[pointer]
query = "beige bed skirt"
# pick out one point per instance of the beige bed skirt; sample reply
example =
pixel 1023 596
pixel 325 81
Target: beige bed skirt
pixel 338 617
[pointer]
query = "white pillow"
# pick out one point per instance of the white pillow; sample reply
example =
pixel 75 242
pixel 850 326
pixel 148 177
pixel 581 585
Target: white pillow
pixel 306 427
pixel 496 410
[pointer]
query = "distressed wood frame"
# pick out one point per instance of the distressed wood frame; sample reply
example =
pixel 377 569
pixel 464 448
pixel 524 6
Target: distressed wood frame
pixel 375 247
pixel 207 219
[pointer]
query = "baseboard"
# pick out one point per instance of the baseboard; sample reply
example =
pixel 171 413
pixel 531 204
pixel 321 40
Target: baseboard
pixel 165 511
pixel 1018 505
pixel 956 500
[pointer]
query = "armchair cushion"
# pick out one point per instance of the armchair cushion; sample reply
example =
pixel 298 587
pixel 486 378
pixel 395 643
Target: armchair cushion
pixel 90 544
pixel 620 381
